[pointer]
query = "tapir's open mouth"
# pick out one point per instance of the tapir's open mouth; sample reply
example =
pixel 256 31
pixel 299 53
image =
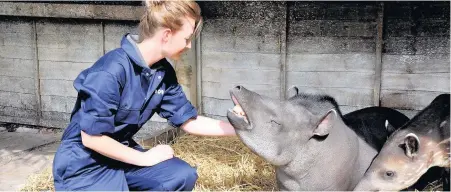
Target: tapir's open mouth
pixel 238 116
pixel 238 111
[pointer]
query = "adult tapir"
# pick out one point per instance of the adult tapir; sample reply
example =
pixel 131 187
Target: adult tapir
pixel 368 122
pixel 306 138
pixel 410 151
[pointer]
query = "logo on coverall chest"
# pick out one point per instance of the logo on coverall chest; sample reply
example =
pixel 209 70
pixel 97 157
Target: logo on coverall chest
pixel 159 91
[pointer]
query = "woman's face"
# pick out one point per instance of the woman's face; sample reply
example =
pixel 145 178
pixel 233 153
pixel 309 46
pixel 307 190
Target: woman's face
pixel 178 41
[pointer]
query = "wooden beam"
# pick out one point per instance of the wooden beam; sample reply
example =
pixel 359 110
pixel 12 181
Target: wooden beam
pixel 198 48
pixel 283 52
pixel 378 63
pixel 80 11
pixel 37 81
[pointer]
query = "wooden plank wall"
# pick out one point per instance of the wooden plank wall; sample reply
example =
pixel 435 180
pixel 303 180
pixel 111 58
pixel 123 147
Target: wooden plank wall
pixel 415 62
pixel 240 46
pixel 52 52
pixel 64 50
pixel 326 47
pixel 331 50
pixel 18 73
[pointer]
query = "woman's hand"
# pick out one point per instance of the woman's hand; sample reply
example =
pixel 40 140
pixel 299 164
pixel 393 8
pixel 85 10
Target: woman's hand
pixel 208 127
pixel 157 154
pixel 113 149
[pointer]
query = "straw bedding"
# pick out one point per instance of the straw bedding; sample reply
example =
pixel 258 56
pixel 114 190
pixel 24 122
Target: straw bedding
pixel 223 164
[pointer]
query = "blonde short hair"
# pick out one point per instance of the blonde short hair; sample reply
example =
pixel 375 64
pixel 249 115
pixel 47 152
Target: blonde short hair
pixel 168 14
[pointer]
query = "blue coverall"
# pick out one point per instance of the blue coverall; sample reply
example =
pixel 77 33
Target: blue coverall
pixel 116 96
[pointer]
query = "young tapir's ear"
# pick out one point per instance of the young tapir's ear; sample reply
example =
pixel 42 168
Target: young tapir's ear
pixel 326 123
pixel 389 127
pixel 411 145
pixel 443 124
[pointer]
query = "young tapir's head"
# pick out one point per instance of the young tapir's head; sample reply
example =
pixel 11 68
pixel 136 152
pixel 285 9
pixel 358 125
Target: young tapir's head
pixel 277 130
pixel 409 152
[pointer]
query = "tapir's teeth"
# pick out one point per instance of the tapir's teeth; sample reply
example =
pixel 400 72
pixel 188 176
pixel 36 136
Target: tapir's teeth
pixel 244 117
pixel 239 110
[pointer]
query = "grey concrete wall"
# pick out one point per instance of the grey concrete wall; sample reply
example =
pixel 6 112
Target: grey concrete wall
pixel 40 58
pixel 326 47
pixel 240 45
pixel 64 50
pixel 416 61
pixel 331 50
pixel 18 94
pixel 112 10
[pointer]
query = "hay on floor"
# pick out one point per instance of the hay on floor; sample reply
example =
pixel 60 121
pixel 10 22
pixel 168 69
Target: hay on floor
pixel 42 181
pixel 223 164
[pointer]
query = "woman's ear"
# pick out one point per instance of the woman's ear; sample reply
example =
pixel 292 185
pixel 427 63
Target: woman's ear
pixel 166 35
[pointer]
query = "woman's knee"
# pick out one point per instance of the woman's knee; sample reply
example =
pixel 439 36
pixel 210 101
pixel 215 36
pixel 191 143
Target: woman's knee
pixel 185 177
pixel 189 174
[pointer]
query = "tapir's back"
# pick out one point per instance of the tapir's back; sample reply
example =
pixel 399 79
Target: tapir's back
pixel 369 124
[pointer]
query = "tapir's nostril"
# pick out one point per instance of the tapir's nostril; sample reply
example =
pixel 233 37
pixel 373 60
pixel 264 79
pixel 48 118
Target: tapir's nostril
pixel 238 87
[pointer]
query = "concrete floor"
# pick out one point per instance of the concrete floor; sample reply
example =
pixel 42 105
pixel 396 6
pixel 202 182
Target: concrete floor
pixel 23 153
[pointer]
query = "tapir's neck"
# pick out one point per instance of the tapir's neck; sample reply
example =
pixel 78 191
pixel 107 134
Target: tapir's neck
pixel 434 144
pixel 436 150
pixel 364 159
pixel 340 161
pixel 362 154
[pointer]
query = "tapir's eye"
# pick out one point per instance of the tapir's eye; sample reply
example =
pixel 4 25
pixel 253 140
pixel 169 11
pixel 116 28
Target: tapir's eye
pixel 275 122
pixel 389 174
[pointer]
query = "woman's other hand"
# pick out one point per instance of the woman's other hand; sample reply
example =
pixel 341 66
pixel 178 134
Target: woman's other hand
pixel 157 154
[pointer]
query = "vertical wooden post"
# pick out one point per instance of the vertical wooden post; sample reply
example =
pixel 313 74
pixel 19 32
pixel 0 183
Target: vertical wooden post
pixel 378 63
pixel 199 74
pixel 283 52
pixel 103 36
pixel 37 82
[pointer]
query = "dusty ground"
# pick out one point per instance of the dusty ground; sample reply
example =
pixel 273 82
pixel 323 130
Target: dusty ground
pixel 23 153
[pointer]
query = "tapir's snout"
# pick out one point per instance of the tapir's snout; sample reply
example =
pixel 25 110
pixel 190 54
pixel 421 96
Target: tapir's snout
pixel 242 96
pixel 237 90
pixel 366 185
pixel 237 116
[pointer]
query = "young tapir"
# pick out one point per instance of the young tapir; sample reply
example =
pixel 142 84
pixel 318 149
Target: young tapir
pixel 368 121
pixel 409 152
pixel 306 138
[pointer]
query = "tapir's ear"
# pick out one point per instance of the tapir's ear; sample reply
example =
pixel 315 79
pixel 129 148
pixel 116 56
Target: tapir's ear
pixel 389 127
pixel 326 123
pixel 411 145
pixel 443 124
pixel 293 91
